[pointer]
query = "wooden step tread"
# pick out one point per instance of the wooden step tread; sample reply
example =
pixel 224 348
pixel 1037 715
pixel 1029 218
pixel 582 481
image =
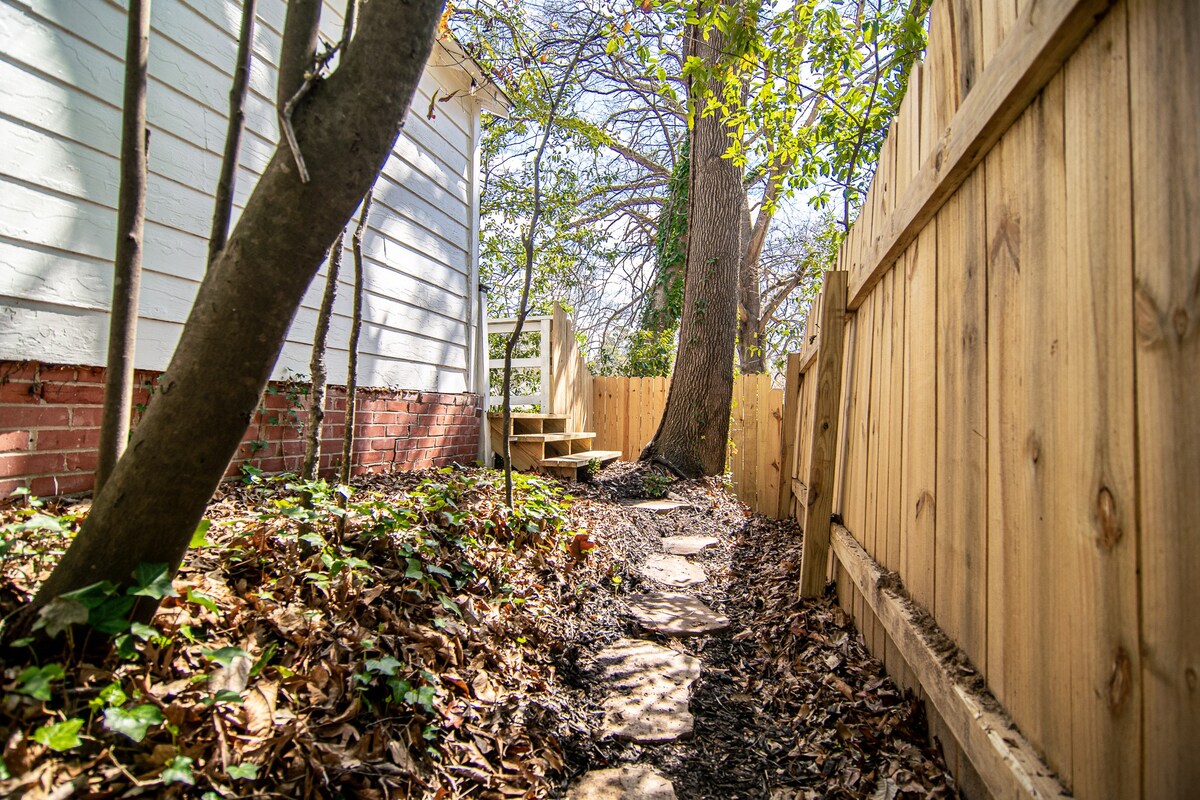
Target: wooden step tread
pixel 551 437
pixel 526 415
pixel 581 459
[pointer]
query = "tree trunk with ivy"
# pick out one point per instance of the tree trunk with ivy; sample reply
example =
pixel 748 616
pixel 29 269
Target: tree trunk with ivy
pixel 695 425
pixel 346 128
pixel 662 306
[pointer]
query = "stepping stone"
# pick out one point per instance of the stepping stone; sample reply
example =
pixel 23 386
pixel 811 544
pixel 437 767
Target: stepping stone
pixel 650 688
pixel 687 545
pixel 622 783
pixel 674 571
pixel 676 614
pixel 661 506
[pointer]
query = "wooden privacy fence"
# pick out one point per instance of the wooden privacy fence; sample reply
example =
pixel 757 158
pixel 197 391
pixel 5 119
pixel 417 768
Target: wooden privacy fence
pixel 1015 432
pixel 626 413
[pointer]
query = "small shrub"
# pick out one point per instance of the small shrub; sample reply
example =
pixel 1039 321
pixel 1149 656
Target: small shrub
pixel 655 484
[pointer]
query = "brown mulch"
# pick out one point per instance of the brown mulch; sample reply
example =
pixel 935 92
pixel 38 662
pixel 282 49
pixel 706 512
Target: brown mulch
pixel 491 623
pixel 789 704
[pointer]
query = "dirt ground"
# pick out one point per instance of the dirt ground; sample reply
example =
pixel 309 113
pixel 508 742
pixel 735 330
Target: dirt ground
pixel 789 704
pixel 453 656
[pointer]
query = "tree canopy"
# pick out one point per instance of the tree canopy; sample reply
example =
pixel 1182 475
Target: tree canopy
pixel 807 90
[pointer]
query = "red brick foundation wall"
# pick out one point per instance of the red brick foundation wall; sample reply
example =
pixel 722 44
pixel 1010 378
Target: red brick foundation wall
pixel 50 428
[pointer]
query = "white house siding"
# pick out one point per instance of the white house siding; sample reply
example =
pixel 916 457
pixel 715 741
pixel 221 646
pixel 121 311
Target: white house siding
pixel 61 77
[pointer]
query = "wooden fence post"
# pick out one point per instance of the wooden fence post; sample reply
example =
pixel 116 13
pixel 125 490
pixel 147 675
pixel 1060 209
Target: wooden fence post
pixel 824 435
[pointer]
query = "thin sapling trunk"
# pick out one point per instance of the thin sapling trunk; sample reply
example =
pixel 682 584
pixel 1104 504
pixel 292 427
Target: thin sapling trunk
pixel 529 242
pixel 356 243
pixel 316 402
pixel 127 267
pixel 223 205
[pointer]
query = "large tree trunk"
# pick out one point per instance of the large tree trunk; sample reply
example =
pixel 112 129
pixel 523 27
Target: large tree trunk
pixel 346 127
pixel 298 48
pixel 227 181
pixel 695 425
pixel 751 357
pixel 127 266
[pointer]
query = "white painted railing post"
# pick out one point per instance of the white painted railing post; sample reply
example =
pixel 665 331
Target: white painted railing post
pixel 546 383
pixel 540 362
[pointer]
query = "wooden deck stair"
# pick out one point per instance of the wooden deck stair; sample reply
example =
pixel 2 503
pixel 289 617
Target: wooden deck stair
pixel 546 443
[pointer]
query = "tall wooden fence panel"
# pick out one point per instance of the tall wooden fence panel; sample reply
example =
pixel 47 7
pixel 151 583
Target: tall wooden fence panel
pixel 1020 437
pixel 626 413
pixel 571 390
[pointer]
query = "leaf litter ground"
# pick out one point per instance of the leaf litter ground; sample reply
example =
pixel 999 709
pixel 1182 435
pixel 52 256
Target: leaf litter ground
pixel 442 649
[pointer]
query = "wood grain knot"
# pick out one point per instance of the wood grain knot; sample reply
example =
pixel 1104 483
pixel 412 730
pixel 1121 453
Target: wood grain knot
pixel 923 502
pixel 1120 682
pixel 1007 240
pixel 1106 518
pixel 1189 677
pixel 1033 446
pixel 1182 321
pixel 1171 327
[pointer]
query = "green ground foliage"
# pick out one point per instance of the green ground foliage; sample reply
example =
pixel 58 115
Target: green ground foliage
pixel 287 658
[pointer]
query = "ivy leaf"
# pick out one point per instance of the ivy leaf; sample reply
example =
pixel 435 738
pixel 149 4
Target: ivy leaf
pixel 383 666
pixel 41 522
pixel 200 537
pixel 153 580
pixel 93 594
pixel 225 655
pixel 179 770
pixel 133 723
pixel 111 615
pixel 35 681
pixel 112 695
pixel 144 631
pixel 125 647
pixel 202 600
pixel 264 660
pixel 60 614
pixel 242 772
pixel 60 736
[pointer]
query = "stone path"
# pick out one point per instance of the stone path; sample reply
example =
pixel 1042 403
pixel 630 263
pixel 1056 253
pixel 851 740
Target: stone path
pixel 661 506
pixel 686 545
pixel 622 783
pixel 648 685
pixel 676 614
pixel 675 571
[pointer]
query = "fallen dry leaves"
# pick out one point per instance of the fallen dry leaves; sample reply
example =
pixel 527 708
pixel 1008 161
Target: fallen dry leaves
pixel 444 649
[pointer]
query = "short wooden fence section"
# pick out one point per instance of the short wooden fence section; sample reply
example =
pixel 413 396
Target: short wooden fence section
pixel 626 413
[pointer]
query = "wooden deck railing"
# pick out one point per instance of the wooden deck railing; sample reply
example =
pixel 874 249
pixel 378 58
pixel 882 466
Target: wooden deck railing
pixel 564 382
pixel 540 362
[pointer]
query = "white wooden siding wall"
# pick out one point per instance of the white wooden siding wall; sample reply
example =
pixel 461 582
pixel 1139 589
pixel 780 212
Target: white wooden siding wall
pixel 61 79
